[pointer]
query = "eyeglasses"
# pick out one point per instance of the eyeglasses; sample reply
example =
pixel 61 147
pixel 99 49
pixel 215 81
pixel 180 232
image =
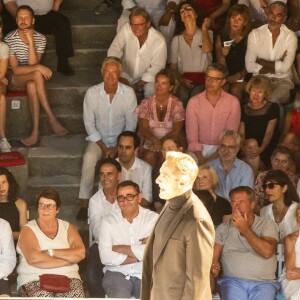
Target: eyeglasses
pixel 128 197
pixel 269 185
pixel 187 8
pixel 229 147
pixel 138 25
pixel 47 206
pixel 213 79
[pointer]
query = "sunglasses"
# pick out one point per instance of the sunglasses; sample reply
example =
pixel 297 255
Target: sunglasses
pixel 269 185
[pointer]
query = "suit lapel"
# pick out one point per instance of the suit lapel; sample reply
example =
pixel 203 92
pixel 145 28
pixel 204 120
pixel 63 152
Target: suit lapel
pixel 167 234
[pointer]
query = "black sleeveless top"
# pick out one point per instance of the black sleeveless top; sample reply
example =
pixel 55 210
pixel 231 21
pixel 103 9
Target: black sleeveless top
pixel 10 213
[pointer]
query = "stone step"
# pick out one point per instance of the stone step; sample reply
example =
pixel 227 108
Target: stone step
pixel 90 28
pixel 83 58
pixel 66 185
pixel 57 156
pixel 66 94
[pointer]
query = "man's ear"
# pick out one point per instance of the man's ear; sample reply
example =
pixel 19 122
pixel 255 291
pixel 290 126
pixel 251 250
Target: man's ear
pixel 33 21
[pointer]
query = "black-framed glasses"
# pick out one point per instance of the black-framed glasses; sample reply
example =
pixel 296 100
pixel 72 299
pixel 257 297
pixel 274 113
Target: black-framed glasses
pixel 47 206
pixel 269 185
pixel 128 197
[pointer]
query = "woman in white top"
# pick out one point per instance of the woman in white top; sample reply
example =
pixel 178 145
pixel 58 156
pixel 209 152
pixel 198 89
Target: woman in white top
pixel 49 245
pixel 291 279
pixel 191 50
pixel 284 200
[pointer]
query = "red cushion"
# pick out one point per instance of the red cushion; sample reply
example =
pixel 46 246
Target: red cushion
pixel 14 158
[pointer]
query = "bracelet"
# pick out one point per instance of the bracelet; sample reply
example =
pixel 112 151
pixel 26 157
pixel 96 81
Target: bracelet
pixel 50 252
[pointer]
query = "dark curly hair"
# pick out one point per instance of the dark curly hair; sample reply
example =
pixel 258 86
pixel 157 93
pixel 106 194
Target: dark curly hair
pixel 13 189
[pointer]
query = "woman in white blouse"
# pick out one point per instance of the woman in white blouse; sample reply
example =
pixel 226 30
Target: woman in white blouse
pixel 284 200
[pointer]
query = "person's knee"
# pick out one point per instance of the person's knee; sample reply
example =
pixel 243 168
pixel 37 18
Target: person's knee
pixel 90 159
pixel 30 86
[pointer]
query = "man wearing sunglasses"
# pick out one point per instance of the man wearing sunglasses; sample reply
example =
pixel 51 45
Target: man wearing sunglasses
pixel 122 240
pixel 245 251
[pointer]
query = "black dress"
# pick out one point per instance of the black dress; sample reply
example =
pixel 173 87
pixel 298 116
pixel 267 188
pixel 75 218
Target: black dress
pixel 10 213
pixel 256 123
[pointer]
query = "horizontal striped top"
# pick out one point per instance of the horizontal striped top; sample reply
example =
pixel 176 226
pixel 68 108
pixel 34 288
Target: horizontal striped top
pixel 21 50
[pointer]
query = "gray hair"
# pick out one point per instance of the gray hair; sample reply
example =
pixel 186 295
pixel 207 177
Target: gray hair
pixel 279 4
pixel 233 134
pixel 140 11
pixel 244 189
pixel 112 59
pixel 218 67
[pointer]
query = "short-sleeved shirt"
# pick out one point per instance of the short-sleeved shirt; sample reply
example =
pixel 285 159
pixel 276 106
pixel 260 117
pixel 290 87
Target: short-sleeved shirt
pixel 21 50
pixel 175 113
pixel 239 259
pixel 4 51
pixel 220 208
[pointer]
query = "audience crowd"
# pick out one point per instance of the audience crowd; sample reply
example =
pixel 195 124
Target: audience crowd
pixel 216 79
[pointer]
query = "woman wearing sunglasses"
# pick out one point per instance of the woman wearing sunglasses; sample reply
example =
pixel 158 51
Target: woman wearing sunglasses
pixel 48 245
pixel 284 201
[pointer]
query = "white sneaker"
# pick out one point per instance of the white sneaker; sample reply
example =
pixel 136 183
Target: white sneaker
pixel 4 145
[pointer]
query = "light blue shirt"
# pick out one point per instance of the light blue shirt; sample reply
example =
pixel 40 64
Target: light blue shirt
pixel 240 174
pixel 105 120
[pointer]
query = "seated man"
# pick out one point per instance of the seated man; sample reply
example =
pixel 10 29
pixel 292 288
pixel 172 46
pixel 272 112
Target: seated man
pixel 209 113
pixel 134 168
pixel 47 21
pixel 162 14
pixel 108 110
pixel 122 240
pixel 26 48
pixel 7 257
pixel 101 204
pixel 271 51
pixel 232 172
pixel 142 49
pixel 245 251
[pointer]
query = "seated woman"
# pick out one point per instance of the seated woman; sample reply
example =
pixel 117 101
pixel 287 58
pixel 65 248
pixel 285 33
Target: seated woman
pixel 49 245
pixel 191 51
pixel 7 257
pixel 161 115
pixel 167 144
pixel 231 46
pixel 291 278
pixel 281 159
pixel 220 208
pixel 284 201
pixel 4 55
pixel 259 117
pixel 12 208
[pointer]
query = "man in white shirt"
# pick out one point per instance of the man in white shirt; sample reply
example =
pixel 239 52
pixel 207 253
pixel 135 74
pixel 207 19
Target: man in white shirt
pixel 143 51
pixel 271 52
pixel 108 110
pixel 7 257
pixel 134 168
pixel 122 242
pixel 101 204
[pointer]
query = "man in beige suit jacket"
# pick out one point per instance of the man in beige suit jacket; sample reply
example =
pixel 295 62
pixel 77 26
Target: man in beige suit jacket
pixel 179 251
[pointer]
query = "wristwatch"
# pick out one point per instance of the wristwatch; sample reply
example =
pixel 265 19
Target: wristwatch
pixel 50 252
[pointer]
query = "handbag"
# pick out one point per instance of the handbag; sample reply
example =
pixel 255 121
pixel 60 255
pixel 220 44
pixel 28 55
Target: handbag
pixel 55 283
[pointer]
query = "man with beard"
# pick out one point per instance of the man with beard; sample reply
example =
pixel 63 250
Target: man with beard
pixel 26 48
pixel 134 168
